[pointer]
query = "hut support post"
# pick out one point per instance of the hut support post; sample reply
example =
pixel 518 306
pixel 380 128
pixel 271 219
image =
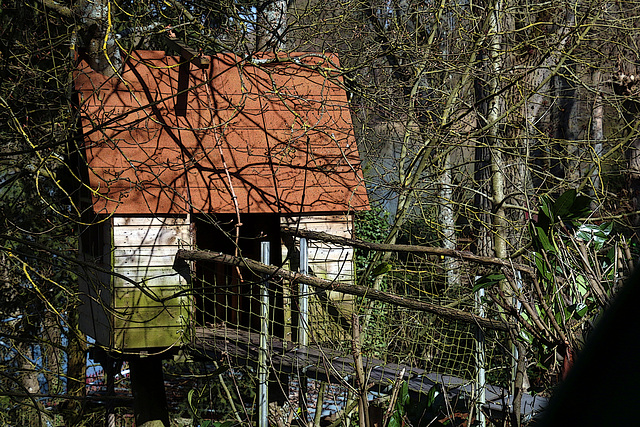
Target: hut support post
pixel 109 409
pixel 111 367
pixel 149 399
pixel 263 368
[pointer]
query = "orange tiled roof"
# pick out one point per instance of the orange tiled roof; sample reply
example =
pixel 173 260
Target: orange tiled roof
pixel 158 138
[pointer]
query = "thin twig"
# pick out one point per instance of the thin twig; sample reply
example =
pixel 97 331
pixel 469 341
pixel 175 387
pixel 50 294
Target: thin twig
pixel 317 417
pixel 394 398
pixel 361 380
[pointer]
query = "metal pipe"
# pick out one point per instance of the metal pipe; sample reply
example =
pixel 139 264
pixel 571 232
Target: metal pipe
pixel 303 320
pixel 263 368
pixel 480 361
pixel 514 347
pixel 303 329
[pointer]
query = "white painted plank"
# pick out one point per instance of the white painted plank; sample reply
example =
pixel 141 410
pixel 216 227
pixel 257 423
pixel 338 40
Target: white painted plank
pixel 149 221
pixel 332 253
pixel 174 280
pixel 347 218
pixel 140 275
pixel 328 260
pixel 141 272
pixel 146 256
pixel 144 260
pixel 340 225
pixel 152 235
pixel 156 250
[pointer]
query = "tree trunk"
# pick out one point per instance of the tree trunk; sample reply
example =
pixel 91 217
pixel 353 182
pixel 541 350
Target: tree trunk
pixel 31 411
pixel 482 173
pixel 53 363
pixel 271 25
pixel 100 37
pixel 448 223
pixel 76 357
pixel 498 165
pixel 597 136
pixel 76 369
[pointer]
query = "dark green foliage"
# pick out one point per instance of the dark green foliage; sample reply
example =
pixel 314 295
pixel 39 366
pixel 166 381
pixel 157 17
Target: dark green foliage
pixel 488 281
pixel 575 263
pixel 420 410
pixel 202 397
pixel 371 226
pixel 401 405
pixel 566 211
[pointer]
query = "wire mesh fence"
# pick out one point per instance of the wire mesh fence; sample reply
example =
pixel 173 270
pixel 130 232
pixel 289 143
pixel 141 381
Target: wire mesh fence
pixel 319 358
pixel 324 324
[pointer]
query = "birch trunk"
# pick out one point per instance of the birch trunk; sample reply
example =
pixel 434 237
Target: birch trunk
pixel 98 33
pixel 597 136
pixel 448 223
pixel 495 108
pixel 271 25
pixel 100 39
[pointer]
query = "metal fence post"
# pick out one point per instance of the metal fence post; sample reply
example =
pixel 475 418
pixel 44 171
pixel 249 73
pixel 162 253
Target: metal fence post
pixel 303 321
pixel 514 347
pixel 263 368
pixel 303 328
pixel 480 360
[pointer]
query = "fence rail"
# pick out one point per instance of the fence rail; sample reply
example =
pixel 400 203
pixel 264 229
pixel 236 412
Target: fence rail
pixel 416 328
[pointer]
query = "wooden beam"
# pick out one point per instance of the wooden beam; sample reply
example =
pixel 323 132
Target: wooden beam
pixel 188 54
pixel 357 243
pixel 373 294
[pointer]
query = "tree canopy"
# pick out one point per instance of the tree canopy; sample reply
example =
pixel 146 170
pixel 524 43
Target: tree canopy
pixel 503 128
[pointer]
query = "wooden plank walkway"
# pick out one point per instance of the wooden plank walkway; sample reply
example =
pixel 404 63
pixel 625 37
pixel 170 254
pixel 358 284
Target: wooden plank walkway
pixel 240 348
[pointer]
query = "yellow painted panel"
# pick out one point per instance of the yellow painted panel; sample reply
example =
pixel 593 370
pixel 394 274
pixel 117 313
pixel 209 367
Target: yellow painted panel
pixel 150 317
pixel 153 297
pixel 142 338
pixel 144 251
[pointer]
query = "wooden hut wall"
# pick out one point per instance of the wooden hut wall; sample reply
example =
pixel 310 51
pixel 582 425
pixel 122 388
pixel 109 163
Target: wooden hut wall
pixel 152 164
pixel 94 284
pixel 328 310
pixel 150 315
pixel 155 310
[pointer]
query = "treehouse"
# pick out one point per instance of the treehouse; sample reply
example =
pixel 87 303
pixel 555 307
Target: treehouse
pixel 217 153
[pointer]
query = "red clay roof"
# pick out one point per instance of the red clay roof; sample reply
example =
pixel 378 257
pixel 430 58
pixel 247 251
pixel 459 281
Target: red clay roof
pixel 156 138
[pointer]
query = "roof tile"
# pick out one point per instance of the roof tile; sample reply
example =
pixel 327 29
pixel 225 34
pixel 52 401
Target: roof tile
pixel 156 137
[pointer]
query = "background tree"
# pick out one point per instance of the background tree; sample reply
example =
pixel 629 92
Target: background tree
pixel 483 126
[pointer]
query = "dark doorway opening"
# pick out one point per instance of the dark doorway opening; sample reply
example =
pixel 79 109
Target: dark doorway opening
pixel 228 294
